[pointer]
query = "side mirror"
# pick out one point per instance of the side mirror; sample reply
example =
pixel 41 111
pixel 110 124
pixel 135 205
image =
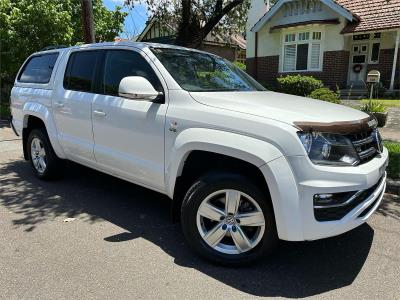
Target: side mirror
pixel 137 88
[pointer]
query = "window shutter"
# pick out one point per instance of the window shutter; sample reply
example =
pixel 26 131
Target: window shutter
pixel 315 56
pixel 289 60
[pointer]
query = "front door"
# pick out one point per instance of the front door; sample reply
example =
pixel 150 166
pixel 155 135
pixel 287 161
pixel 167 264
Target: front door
pixel 358 65
pixel 129 134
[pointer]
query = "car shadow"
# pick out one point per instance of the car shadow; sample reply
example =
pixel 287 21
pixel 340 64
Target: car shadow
pixel 297 269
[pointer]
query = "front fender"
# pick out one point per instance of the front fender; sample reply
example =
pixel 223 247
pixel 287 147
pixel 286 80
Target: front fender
pixel 42 112
pixel 249 149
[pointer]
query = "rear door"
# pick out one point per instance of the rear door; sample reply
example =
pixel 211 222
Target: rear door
pixel 129 134
pixel 72 105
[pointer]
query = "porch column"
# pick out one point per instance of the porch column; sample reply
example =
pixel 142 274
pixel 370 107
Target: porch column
pixel 396 53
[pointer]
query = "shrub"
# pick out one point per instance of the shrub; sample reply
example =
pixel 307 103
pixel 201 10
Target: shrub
pixel 394 159
pixel 299 85
pixel 373 106
pixel 4 110
pixel 240 65
pixel 325 94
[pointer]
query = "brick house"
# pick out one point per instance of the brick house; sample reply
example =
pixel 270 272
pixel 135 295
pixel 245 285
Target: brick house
pixel 232 47
pixel 337 41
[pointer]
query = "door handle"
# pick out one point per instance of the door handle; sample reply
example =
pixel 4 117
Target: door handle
pixel 59 104
pixel 99 113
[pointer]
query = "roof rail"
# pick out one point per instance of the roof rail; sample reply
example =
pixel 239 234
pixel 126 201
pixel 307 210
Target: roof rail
pixel 53 47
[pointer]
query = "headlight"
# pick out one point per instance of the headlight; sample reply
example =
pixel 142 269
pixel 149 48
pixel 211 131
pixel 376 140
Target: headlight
pixel 378 139
pixel 329 149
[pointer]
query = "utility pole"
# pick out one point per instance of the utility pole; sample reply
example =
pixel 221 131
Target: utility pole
pixel 87 21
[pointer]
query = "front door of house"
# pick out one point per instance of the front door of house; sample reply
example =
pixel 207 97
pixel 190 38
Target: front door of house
pixel 358 65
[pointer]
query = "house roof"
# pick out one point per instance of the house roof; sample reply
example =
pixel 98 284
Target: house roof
pixel 234 39
pixel 362 15
pixel 372 14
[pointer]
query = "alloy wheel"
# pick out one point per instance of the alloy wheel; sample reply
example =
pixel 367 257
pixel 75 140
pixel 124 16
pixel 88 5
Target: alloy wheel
pixel 38 155
pixel 230 221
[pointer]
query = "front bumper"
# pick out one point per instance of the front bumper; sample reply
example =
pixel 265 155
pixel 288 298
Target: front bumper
pixel 293 182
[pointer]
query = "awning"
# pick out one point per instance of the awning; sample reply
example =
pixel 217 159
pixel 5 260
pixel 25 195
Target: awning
pixel 311 22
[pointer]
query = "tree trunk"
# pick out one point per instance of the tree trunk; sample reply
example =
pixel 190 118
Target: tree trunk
pixel 87 21
pixel 190 32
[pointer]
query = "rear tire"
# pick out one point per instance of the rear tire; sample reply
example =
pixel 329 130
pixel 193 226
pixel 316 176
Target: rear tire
pixel 225 233
pixel 45 163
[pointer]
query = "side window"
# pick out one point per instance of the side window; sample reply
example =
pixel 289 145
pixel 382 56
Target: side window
pixel 122 63
pixel 38 68
pixel 80 71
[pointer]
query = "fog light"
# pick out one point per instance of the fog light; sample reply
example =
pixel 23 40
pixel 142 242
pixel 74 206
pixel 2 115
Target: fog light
pixel 331 199
pixel 323 199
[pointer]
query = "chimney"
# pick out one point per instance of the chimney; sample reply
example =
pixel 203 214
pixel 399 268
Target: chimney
pixel 257 9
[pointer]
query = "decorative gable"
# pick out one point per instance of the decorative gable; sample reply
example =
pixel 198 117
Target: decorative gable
pixel 299 11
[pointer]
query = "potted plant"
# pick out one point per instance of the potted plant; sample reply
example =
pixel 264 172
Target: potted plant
pixel 378 110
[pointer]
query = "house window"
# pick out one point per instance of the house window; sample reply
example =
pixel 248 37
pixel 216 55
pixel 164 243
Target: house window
pixel 317 36
pixel 302 53
pixel 290 38
pixel 304 36
pixel 376 47
pixel 361 37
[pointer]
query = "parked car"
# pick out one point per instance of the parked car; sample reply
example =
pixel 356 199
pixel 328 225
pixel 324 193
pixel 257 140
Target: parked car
pixel 243 166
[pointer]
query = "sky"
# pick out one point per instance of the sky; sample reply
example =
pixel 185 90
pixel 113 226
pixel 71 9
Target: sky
pixel 134 22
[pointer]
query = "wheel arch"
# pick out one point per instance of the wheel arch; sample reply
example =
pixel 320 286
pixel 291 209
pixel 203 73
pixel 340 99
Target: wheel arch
pixel 210 149
pixel 37 115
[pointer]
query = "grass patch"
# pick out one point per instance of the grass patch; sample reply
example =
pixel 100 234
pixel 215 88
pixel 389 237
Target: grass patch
pixel 5 110
pixel 387 103
pixel 393 169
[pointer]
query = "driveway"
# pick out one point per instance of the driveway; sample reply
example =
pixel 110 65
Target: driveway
pixel 91 236
pixel 392 129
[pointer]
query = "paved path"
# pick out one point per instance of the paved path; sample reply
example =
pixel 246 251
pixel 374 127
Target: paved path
pixel 392 129
pixel 119 243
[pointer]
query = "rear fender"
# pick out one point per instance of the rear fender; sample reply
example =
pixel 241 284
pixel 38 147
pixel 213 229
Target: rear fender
pixel 42 112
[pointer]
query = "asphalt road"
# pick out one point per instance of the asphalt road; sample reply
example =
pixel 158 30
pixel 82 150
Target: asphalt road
pixel 91 236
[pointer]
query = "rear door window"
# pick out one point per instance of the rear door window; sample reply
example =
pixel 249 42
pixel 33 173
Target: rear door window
pixel 81 71
pixel 38 68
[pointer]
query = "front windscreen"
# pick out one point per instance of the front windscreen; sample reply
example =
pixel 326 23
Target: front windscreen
pixel 201 72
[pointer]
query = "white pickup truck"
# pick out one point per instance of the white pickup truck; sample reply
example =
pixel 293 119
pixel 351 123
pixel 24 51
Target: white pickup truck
pixel 244 166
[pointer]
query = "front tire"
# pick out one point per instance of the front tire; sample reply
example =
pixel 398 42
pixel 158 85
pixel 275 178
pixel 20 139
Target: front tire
pixel 228 219
pixel 45 163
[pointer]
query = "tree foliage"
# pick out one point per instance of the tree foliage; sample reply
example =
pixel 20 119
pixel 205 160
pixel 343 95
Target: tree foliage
pixel 27 26
pixel 195 19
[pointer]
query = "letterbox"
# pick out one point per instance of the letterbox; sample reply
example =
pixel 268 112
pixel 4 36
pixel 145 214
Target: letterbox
pixel 374 76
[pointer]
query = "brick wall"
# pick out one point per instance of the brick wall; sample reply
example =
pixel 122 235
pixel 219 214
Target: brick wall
pixel 385 66
pixel 221 50
pixel 267 69
pixel 335 69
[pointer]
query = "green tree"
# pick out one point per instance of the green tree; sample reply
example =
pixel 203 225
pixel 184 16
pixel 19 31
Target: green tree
pixel 195 19
pixel 27 26
pixel 107 24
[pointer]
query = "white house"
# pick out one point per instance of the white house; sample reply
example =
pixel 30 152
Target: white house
pixel 337 41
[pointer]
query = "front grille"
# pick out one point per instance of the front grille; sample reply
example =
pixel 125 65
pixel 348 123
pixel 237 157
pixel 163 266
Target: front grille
pixel 366 145
pixel 337 213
